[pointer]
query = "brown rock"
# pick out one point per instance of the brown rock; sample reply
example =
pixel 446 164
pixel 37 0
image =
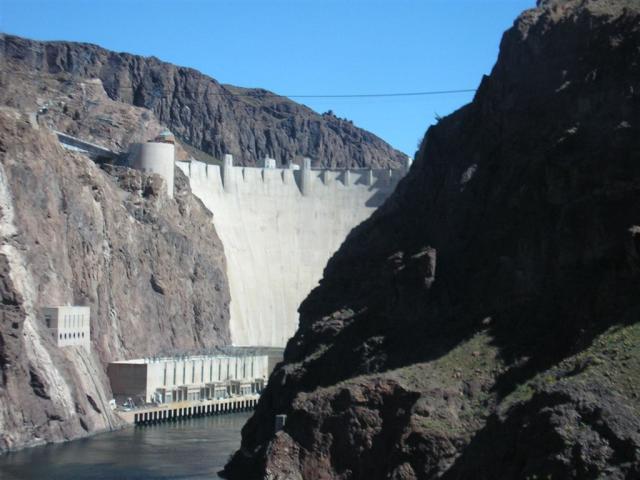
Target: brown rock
pixel 213 118
pixel 152 270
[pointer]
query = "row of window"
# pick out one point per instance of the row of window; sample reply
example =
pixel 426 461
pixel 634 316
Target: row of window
pixel 66 336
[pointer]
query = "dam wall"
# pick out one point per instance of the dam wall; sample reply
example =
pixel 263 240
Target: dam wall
pixel 279 227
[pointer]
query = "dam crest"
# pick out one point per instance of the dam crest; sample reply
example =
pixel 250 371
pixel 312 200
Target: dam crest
pixel 309 181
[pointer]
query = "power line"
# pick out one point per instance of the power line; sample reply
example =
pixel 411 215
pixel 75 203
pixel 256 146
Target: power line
pixel 349 95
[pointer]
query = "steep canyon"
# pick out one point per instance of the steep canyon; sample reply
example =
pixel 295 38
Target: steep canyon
pixel 483 323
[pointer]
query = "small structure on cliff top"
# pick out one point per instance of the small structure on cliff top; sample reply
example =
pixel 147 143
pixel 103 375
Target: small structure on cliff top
pixel 156 156
pixel 268 162
pixel 69 325
pixel 165 136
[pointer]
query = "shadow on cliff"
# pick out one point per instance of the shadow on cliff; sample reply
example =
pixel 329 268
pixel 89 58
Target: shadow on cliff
pixel 520 217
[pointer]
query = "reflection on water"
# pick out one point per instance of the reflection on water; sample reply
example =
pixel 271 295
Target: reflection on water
pixel 195 448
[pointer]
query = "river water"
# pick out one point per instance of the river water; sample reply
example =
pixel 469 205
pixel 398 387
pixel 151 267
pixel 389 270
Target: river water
pixel 195 448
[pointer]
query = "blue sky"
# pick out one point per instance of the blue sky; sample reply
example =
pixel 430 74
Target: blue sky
pixel 301 47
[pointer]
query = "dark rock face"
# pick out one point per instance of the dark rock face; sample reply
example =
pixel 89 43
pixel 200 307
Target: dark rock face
pixel 483 323
pixel 151 268
pixel 205 114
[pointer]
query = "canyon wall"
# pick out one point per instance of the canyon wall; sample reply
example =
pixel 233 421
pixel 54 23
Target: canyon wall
pixel 212 118
pixel 152 269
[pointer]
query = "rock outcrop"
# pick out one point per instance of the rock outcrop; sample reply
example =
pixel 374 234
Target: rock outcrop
pixel 483 323
pixel 213 118
pixel 151 268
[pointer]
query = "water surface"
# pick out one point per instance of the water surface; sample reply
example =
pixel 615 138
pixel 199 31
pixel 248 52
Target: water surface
pixel 195 448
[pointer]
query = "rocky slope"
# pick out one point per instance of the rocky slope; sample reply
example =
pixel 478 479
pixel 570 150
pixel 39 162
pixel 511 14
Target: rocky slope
pixel 151 268
pixel 484 322
pixel 213 118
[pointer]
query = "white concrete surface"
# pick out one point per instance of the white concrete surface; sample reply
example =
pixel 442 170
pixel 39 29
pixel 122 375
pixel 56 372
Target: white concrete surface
pixel 69 325
pixel 155 157
pixel 278 240
pixel 143 377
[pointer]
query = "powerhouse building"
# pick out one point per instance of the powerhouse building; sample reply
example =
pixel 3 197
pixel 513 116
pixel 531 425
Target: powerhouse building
pixel 69 325
pixel 192 378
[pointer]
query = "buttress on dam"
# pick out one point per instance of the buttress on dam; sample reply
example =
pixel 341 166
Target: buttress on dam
pixel 279 227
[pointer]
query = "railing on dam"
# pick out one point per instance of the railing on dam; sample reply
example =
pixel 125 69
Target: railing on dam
pixel 309 181
pixel 182 410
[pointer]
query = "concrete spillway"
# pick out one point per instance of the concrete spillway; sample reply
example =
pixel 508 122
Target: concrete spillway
pixel 279 227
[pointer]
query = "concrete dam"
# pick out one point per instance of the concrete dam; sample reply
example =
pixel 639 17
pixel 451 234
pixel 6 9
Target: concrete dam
pixel 279 227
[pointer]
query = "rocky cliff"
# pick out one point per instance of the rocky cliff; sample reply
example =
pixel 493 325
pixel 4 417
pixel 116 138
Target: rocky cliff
pixel 213 118
pixel 152 269
pixel 483 323
pixel 75 232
